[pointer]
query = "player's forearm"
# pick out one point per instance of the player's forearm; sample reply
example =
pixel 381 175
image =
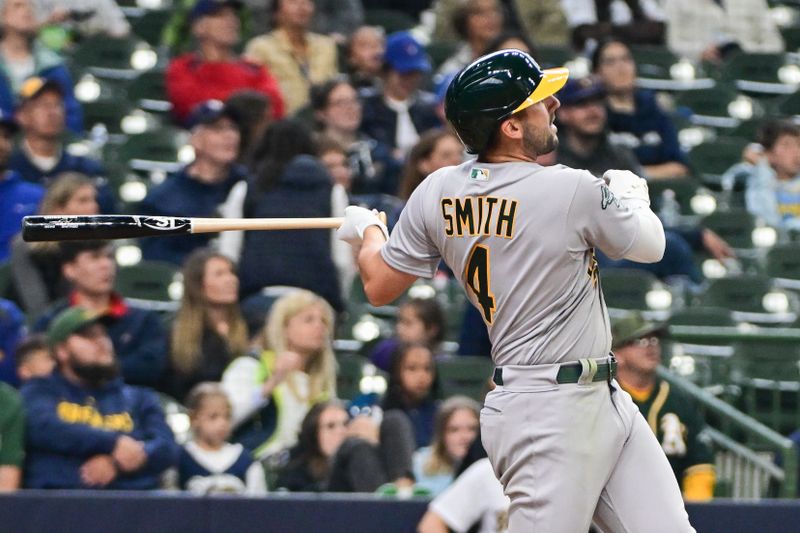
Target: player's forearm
pixel 650 240
pixel 382 283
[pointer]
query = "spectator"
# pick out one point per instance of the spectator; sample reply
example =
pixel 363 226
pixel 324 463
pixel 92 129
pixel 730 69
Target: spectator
pixel 208 463
pixel 337 18
pixel 36 280
pixel 338 113
pixel 138 336
pixel 334 156
pixel 671 413
pixel 84 18
pixel 33 358
pixel 297 57
pixel 41 153
pixel 214 71
pixel 12 330
pixel 198 189
pixel 419 321
pixel 289 181
pixel 364 59
pixel 456 427
pixel 511 40
pixel 85 427
pixel 635 115
pixel 18 198
pixel 12 438
pixel 710 30
pixel 477 23
pixel 253 113
pixel 23 56
pixel 413 389
pixel 634 21
pixel 400 112
pixel 436 149
pixel 209 330
pixel 272 393
pixel 338 454
pixel 773 181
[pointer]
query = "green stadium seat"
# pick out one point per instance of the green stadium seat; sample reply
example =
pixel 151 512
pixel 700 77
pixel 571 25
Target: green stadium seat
pixel 783 264
pixel 150 151
pixel 735 226
pixel 627 288
pixel 148 284
pixel 150 25
pixel 684 188
pixel 653 61
pixel 109 57
pixel 148 91
pixel 390 20
pixel 752 298
pixel 464 375
pixel 703 362
pixel 790 106
pixel 348 376
pixel 754 72
pixel 107 112
pixel 554 56
pixel 710 160
pixel 709 107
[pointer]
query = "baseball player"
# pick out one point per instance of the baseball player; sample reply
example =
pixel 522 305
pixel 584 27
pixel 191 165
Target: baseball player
pixel 565 442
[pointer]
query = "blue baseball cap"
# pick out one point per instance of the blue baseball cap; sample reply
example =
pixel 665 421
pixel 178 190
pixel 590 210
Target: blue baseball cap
pixel 404 54
pixel 581 90
pixel 209 112
pixel 208 7
pixel 7 121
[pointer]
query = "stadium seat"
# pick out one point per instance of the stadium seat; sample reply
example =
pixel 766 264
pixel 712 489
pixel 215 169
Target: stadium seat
pixel 653 61
pixel 706 363
pixel 684 188
pixel 710 160
pixel 783 264
pixel 735 226
pixel 148 284
pixel 150 25
pixel 554 56
pixel 709 107
pixel 113 58
pixel 107 112
pixel 790 106
pixel 148 91
pixel 348 376
pixel 757 73
pixel 152 150
pixel 752 298
pixel 628 288
pixel 465 375
pixel 390 20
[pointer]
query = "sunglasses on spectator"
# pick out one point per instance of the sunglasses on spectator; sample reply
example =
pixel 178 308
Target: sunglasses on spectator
pixel 646 341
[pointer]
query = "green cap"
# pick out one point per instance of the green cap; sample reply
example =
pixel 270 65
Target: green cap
pixel 69 321
pixel 631 326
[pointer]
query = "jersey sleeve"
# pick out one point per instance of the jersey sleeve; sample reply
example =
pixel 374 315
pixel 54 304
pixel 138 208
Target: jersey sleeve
pixel 595 218
pixel 410 248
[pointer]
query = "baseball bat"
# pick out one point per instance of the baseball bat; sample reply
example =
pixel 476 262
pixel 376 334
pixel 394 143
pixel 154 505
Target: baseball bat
pixel 67 228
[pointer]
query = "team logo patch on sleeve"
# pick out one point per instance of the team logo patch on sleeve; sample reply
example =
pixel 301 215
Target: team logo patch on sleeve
pixel 608 197
pixel 479 174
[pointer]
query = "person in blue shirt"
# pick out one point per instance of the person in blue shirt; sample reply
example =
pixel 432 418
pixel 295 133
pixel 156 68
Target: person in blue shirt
pixel 634 115
pixel 85 427
pixel 12 329
pixel 41 154
pixel 199 188
pixel 17 197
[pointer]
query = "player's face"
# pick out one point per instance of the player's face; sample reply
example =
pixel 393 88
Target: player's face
pixel 343 111
pixel 82 202
pixel 332 430
pixel 410 327
pixel 460 431
pixel 92 272
pixel 539 133
pixel 642 355
pixel 366 50
pixel 307 332
pixel 220 283
pixel 617 68
pixel 211 423
pixel 785 155
pixel 416 372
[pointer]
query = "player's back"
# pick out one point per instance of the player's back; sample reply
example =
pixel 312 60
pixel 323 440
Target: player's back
pixel 519 236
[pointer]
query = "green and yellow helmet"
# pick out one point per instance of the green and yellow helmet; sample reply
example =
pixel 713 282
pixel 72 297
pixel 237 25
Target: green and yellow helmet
pixel 494 87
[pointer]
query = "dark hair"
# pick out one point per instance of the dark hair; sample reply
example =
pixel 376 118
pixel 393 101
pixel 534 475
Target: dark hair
pixel 431 314
pixel 601 46
pixel 247 108
pixel 773 129
pixel 494 44
pixel 28 345
pixel 396 397
pixel 283 141
pixel 321 93
pixel 307 451
pixel 71 249
pixel 425 146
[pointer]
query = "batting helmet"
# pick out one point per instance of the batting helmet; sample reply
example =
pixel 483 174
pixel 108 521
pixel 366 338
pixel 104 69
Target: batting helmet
pixel 493 88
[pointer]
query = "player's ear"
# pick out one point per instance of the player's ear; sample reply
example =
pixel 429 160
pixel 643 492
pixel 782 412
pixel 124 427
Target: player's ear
pixel 511 128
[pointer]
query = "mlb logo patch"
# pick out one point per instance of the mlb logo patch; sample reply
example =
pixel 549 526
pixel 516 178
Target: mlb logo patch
pixel 479 174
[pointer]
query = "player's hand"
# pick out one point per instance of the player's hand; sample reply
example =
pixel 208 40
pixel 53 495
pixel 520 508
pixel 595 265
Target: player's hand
pixel 98 471
pixel 627 186
pixel 129 454
pixel 356 221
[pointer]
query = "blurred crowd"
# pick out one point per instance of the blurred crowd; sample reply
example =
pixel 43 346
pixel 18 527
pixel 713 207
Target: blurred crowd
pixel 298 108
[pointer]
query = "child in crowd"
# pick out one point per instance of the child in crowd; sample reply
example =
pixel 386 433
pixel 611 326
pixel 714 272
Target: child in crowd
pixel 208 463
pixel 456 427
pixel 33 358
pixel 413 389
pixel 419 320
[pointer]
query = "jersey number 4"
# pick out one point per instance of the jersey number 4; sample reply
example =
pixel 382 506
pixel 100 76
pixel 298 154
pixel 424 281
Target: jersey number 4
pixel 477 279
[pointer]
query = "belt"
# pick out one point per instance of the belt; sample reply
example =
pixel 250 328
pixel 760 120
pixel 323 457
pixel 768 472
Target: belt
pixel 572 372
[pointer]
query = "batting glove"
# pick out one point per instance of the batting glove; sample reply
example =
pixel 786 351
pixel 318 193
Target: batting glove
pixel 356 221
pixel 627 186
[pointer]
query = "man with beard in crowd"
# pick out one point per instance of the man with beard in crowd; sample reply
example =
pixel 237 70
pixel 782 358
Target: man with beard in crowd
pixel 85 427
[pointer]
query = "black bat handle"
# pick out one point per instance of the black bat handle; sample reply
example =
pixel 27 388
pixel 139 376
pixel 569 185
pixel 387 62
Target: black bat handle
pixel 89 227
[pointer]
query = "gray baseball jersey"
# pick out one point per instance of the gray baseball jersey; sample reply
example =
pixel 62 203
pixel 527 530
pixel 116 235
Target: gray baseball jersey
pixel 520 237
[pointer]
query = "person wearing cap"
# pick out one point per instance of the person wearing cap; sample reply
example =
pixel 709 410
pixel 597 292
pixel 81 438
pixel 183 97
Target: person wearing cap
pixel 139 338
pixel 671 414
pixel 85 427
pixel 41 154
pixel 18 197
pixel 199 188
pixel 296 56
pixel 214 70
pixel 400 112
pixel 22 55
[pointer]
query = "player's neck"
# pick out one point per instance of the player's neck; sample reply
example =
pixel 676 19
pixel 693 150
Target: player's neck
pixel 507 156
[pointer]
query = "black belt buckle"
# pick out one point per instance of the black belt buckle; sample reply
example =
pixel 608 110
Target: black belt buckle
pixel 612 366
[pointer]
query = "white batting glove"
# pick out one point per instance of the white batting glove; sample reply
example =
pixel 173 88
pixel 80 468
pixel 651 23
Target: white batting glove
pixel 356 221
pixel 627 186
